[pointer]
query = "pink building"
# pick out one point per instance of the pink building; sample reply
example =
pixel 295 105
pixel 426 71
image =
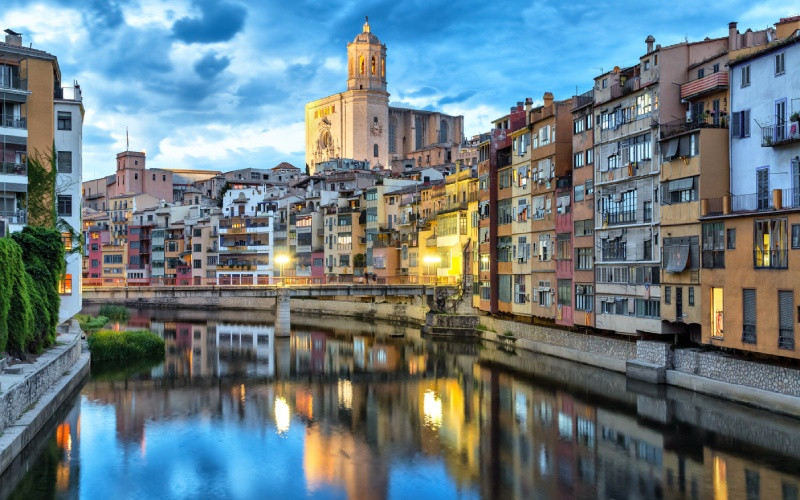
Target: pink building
pixel 132 177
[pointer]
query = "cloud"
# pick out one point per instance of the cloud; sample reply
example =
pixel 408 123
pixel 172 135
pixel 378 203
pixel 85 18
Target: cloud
pixel 209 66
pixel 219 21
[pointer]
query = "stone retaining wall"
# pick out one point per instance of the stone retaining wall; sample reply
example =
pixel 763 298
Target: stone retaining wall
pixel 18 396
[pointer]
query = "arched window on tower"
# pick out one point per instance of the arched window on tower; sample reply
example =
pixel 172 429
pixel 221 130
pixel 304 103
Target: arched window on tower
pixel 383 67
pixel 392 128
pixel 419 137
pixel 374 66
pixel 375 150
pixel 442 131
pixel 361 64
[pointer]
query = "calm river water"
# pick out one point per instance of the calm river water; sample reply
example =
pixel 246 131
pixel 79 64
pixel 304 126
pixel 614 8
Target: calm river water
pixel 345 409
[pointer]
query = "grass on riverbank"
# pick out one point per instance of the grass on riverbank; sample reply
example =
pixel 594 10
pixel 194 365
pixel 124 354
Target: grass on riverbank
pixel 89 324
pixel 114 313
pixel 109 346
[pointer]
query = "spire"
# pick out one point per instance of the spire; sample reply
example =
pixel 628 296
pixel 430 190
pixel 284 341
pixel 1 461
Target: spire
pixel 366 24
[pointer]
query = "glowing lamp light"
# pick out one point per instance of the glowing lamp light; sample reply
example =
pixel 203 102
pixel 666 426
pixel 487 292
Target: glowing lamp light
pixel 283 415
pixel 282 259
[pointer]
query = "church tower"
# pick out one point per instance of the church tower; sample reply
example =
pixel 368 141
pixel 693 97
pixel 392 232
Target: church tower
pixel 366 62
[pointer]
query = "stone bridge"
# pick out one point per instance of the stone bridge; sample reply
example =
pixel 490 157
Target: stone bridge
pixel 257 296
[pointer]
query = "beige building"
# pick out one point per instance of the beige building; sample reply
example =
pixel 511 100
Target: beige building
pixel 359 124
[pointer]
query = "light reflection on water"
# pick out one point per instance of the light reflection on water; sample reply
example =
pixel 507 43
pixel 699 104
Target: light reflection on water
pixel 349 410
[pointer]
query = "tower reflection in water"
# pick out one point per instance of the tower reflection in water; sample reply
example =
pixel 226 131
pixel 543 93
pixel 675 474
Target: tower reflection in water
pixel 365 415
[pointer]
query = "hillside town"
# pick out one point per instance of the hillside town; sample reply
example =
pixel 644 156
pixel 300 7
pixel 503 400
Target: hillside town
pixel 614 210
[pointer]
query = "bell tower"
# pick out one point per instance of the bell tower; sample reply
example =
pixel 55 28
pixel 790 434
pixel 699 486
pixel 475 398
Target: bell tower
pixel 366 62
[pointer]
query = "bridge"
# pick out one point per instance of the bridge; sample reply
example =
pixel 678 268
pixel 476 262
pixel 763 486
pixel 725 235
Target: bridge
pixel 254 296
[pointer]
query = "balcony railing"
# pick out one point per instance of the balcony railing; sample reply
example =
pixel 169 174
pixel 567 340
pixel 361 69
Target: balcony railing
pixel 749 334
pixel 12 121
pixel 630 85
pixel 680 126
pixel 780 134
pixel 15 216
pixel 13 168
pixel 624 217
pixel 771 259
pixel 584 99
pixel 709 83
pixel 13 83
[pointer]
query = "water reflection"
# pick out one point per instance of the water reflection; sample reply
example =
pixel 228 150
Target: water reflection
pixel 349 410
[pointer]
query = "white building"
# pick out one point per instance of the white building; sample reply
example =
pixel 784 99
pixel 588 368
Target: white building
pixel 246 238
pixel 68 127
pixel 765 142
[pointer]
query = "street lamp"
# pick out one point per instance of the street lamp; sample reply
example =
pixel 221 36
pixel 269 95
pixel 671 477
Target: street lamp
pixel 431 260
pixel 282 260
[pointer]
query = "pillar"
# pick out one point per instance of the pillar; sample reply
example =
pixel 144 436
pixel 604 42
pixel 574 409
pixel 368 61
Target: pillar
pixel 283 315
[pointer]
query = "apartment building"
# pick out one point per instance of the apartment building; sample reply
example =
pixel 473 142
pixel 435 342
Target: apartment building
pixel 582 209
pixel 246 243
pixel 376 213
pixel 520 181
pixel 344 240
pixel 753 308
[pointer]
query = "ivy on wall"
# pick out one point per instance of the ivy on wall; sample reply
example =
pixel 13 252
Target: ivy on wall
pixel 42 171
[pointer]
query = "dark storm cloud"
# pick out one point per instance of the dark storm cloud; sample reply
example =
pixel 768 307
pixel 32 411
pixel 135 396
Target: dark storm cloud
pixel 458 98
pixel 219 21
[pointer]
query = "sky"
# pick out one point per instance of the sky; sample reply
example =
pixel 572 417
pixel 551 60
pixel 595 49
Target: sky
pixel 222 84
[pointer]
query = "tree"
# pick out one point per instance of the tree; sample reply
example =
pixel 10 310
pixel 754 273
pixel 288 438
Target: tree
pixel 359 260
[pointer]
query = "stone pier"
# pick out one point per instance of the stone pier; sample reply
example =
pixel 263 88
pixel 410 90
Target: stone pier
pixel 283 313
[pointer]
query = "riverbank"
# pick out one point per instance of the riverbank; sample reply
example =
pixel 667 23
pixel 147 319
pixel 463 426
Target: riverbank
pixel 772 387
pixel 31 393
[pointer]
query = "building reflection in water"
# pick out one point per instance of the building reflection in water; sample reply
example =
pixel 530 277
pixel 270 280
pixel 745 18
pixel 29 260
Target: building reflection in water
pixel 375 415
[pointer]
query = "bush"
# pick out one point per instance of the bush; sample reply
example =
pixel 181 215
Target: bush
pixel 16 314
pixel 114 313
pixel 90 324
pixel 110 346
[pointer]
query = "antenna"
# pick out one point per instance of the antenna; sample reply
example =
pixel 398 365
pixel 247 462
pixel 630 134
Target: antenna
pixel 127 141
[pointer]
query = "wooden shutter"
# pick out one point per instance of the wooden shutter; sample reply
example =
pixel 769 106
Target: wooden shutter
pixel 786 319
pixel 749 315
pixel 736 124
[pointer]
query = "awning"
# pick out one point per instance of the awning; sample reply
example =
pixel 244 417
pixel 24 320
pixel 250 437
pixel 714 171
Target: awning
pixel 677 258
pixel 681 184
pixel 672 149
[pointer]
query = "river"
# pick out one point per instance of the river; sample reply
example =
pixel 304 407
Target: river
pixel 346 409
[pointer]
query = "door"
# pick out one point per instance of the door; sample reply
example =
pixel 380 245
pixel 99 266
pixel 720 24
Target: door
pixel 762 188
pixel 679 303
pixel 715 109
pixel 780 120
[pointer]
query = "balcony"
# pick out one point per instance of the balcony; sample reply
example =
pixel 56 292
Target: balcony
pixel 680 126
pixel 584 99
pixel 630 85
pixel 705 85
pixel 15 216
pixel 13 83
pixel 13 168
pixel 622 217
pixel 12 121
pixel 780 134
pixel 771 259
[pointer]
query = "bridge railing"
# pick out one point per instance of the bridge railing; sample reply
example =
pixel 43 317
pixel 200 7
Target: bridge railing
pixel 271 281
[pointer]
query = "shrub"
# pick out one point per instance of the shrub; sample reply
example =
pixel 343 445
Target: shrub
pixel 110 346
pixel 114 313
pixel 16 313
pixel 90 324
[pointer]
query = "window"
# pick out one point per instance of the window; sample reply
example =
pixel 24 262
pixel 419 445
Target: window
pixel 749 315
pixel 701 73
pixel 731 238
pixel 375 150
pixel 584 298
pixel 584 227
pixel 604 83
pixel 520 290
pixel 583 259
pixel 745 75
pixel 589 156
pixel 579 190
pixel 64 120
pixel 211 260
pixel 646 64
pixel 65 162
pixel 740 124
pixel 544 297
pixel 564 292
pixel 112 259
pixel 65 285
pixel 198 247
pixel 578 125
pixel 786 319
pixel 344 260
pixel 544 247
pixel 770 245
pixel 504 249
pixel 716 68
pixel 504 288
pixel 644 104
pixel 647 211
pixel 64 205
pixel 198 263
pixel 589 187
pixel 679 191
pixel 614 249
pixel 647 308
pixel 577 160
pixel 762 188
pixel 563 246
pixel 713 245
pixel 780 66
pixel 667 294
pixel 795 235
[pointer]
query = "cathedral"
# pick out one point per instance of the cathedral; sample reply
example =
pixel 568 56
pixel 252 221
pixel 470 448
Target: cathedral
pixel 359 124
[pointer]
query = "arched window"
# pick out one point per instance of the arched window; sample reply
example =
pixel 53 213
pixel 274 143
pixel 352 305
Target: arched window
pixel 442 131
pixel 374 119
pixel 392 128
pixel 361 64
pixel 374 66
pixel 383 67
pixel 375 150
pixel 419 142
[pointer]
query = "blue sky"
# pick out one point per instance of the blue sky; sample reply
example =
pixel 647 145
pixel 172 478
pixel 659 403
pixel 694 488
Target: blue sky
pixel 221 84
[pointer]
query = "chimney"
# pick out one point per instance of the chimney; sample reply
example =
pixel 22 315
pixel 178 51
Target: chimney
pixel 547 98
pixel 528 106
pixel 733 36
pixel 650 40
pixel 13 38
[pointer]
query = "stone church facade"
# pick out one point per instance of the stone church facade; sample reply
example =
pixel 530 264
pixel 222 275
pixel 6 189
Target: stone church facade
pixel 359 124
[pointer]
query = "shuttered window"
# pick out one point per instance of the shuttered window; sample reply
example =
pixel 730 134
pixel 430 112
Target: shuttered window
pixel 749 316
pixel 786 319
